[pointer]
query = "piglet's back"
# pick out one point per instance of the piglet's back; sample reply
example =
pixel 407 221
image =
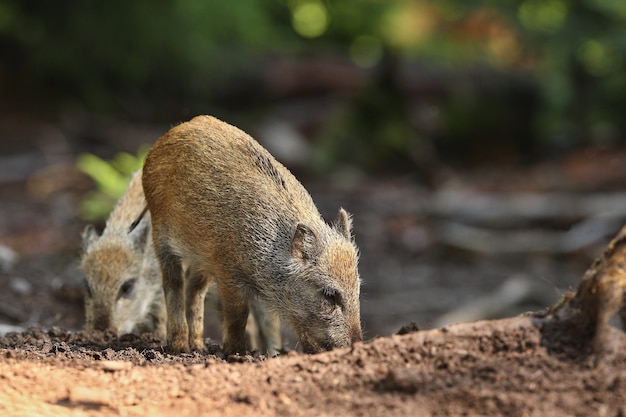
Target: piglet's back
pixel 208 171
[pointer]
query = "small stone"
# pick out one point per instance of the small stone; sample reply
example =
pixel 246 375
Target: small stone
pixel 114 366
pixel 20 286
pixel 8 258
pixel 91 396
pixel 282 397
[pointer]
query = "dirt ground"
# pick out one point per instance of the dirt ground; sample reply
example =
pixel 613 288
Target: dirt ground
pixel 521 366
pixel 512 367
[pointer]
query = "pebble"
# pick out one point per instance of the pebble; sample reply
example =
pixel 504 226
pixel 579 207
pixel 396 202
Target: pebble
pixel 113 366
pixel 284 398
pixel 8 258
pixel 93 396
pixel 20 286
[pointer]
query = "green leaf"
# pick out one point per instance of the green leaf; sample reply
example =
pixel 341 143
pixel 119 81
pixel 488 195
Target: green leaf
pixel 108 179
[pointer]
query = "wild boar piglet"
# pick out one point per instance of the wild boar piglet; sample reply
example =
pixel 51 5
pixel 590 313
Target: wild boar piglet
pixel 221 204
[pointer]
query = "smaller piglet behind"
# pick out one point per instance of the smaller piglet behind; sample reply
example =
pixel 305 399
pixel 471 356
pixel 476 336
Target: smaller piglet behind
pixel 123 290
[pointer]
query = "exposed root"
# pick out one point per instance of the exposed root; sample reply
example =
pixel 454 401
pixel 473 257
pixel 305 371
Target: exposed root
pixel 600 299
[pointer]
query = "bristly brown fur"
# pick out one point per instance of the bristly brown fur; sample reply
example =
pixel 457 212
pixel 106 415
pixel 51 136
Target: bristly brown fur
pixel 220 203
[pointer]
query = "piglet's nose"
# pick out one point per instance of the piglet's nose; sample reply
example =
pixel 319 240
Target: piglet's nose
pixel 102 323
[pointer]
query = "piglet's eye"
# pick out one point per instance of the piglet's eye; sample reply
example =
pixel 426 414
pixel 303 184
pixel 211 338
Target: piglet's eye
pixel 332 296
pixel 127 288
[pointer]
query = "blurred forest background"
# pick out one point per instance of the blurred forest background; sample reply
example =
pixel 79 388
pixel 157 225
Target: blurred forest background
pixel 393 108
pixel 369 83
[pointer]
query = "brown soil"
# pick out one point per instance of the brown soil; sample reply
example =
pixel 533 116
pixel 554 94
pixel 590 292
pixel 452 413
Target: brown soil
pixel 521 366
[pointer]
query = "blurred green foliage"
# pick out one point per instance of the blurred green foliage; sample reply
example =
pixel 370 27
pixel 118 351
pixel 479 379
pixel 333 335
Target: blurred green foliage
pixel 90 50
pixel 111 179
pixel 144 57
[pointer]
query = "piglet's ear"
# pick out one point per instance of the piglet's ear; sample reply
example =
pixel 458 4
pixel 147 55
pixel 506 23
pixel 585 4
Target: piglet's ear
pixel 343 223
pixel 89 236
pixel 139 235
pixel 304 245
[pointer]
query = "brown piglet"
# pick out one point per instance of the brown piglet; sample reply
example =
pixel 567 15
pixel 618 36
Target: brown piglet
pixel 123 290
pixel 222 205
